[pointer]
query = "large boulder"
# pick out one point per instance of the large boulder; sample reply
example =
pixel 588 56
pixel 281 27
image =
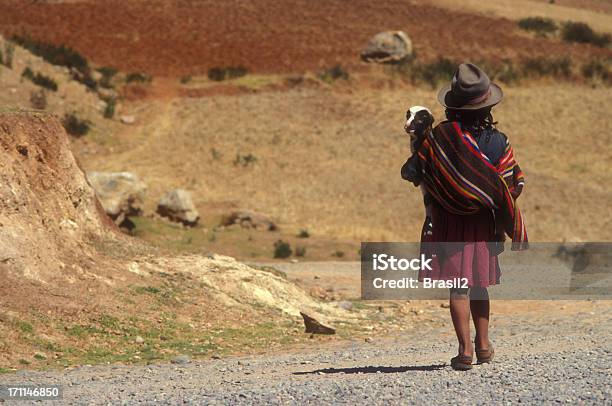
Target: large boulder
pixel 121 194
pixel 388 47
pixel 249 219
pixel 177 205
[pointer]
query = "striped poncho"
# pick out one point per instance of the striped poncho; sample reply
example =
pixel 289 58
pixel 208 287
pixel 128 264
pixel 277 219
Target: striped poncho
pixel 463 180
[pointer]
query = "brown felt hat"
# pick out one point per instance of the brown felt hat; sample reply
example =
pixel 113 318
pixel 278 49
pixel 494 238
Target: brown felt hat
pixel 470 89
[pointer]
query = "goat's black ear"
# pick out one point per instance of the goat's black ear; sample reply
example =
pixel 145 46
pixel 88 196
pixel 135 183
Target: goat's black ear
pixel 430 119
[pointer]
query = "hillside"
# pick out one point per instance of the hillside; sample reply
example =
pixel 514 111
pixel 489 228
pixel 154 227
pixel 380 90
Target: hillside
pixel 188 37
pixel 332 165
pixel 75 290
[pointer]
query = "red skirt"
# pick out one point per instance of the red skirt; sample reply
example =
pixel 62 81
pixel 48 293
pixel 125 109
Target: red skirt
pixel 473 256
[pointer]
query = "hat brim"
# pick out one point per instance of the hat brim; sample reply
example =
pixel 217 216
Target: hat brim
pixel 445 99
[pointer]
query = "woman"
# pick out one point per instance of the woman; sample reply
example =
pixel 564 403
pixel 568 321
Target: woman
pixel 468 169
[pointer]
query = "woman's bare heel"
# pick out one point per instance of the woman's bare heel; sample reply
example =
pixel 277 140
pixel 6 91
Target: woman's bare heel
pixel 484 356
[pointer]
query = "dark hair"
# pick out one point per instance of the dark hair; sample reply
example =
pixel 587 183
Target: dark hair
pixel 474 120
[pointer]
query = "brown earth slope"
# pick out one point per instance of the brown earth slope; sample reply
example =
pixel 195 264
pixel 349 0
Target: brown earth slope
pixel 76 291
pixel 179 37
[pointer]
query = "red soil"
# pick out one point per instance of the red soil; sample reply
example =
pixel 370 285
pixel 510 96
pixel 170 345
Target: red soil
pixel 180 37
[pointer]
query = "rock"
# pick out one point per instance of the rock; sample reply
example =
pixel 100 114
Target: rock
pixel 127 119
pixel 40 356
pixel 121 193
pixel 139 340
pixel 178 206
pixel 315 327
pixel 181 360
pixel 249 219
pixel 344 304
pixel 108 94
pixel 388 47
pixel 318 292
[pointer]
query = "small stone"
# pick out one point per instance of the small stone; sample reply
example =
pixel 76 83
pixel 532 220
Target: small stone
pixel 177 205
pixel 139 340
pixel 40 356
pixel 181 360
pixel 128 119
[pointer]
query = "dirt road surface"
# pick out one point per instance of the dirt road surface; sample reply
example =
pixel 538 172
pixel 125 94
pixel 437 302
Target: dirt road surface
pixel 545 352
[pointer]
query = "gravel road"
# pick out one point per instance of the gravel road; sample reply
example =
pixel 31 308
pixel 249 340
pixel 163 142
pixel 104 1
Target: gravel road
pixel 540 358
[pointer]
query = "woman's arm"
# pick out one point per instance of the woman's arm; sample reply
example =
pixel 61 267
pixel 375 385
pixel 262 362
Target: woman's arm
pixel 510 170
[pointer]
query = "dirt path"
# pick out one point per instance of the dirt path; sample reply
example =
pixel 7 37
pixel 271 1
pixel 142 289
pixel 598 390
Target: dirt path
pixel 545 352
pixel 562 358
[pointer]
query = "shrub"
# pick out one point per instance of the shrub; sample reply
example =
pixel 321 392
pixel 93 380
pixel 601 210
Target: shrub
pixel 431 73
pixel 539 25
pixel 216 155
pixel 505 72
pixel 109 110
pixel 332 74
pixel 559 67
pixel 75 126
pixel 597 70
pixel 338 254
pixel 185 79
pixel 244 160
pixel 38 99
pixel 230 72
pixel 300 251
pixel 9 52
pixel 584 34
pixel 39 79
pixel 107 75
pixel 56 55
pixel 282 249
pixel 137 77
pixel 303 234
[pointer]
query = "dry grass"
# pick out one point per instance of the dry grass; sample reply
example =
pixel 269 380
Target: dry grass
pixel 328 160
pixel 585 11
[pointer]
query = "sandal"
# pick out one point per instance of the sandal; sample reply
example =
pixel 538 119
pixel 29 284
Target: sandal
pixel 461 362
pixel 484 356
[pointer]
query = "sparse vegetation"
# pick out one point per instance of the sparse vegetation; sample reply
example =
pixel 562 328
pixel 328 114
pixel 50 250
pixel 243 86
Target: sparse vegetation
pixel 582 33
pixel 6 58
pixel 75 126
pixel 107 75
pixel 300 251
pixel 109 110
pixel 185 79
pixel 25 327
pixel 216 155
pixel 56 55
pixel 597 70
pixel 540 25
pixel 244 160
pixel 39 79
pixel 330 75
pixel 303 233
pixel 137 77
pixel 38 99
pixel 431 73
pixel 231 72
pixel 338 254
pixel 282 249
pixel 556 67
